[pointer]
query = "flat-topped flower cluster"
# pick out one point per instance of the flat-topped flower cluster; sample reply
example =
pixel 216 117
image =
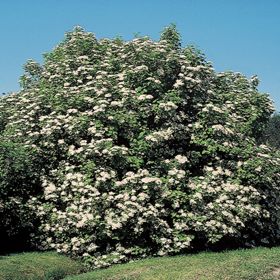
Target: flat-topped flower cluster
pixel 144 150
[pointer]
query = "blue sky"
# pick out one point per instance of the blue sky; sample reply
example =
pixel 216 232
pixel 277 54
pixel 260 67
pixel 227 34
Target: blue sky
pixel 238 35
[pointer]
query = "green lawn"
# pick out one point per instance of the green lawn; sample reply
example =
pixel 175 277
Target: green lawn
pixel 257 264
pixel 37 266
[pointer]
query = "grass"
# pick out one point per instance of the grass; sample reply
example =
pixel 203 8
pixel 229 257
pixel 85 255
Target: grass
pixel 37 266
pixel 251 264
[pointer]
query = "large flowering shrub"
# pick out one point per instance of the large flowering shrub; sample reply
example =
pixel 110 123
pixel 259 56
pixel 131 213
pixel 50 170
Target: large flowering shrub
pixel 146 150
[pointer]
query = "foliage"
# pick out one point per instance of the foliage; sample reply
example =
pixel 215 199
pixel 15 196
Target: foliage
pixel 171 36
pixel 271 134
pixel 144 150
pixel 19 180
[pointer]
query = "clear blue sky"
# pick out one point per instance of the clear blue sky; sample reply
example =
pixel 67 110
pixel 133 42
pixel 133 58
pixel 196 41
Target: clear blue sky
pixel 238 35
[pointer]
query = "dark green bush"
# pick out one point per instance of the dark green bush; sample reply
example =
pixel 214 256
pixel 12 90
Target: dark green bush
pixel 19 180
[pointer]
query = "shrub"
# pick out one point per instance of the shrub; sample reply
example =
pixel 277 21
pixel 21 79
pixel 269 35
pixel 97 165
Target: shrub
pixel 19 180
pixel 146 150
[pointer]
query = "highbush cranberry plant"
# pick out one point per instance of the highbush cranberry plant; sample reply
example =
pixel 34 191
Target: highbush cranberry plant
pixel 143 149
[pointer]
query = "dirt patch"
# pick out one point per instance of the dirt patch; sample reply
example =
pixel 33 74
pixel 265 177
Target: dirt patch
pixel 276 273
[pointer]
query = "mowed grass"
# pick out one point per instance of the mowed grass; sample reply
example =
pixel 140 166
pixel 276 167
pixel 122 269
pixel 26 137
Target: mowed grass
pixel 250 264
pixel 257 264
pixel 37 266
